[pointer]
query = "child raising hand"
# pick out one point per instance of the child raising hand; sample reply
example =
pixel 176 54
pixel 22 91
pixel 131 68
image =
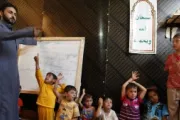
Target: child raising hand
pixel 104 111
pixel 130 99
pixel 58 84
pixel 85 103
pixel 46 98
pixel 68 109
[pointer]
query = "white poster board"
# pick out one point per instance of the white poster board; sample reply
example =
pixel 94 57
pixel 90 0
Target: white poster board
pixel 57 54
pixel 143 26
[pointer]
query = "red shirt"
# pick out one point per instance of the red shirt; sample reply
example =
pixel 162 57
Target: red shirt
pixel 20 104
pixel 172 65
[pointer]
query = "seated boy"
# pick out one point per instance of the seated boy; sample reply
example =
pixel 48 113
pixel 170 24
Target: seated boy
pixel 68 109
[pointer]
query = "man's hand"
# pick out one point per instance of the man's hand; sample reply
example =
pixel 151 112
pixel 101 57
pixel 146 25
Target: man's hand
pixel 36 59
pixel 37 32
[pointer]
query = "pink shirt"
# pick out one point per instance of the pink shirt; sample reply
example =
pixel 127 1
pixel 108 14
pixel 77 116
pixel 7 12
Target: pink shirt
pixel 130 109
pixel 172 65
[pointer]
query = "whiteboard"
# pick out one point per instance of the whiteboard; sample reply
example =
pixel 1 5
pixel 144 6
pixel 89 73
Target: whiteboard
pixel 58 55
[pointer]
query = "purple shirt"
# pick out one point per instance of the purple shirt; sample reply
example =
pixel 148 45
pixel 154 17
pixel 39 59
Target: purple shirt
pixel 130 109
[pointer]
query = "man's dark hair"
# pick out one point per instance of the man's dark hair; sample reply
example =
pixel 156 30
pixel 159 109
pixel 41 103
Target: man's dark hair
pixel 54 76
pixel 177 35
pixel 69 88
pixel 7 4
pixel 131 85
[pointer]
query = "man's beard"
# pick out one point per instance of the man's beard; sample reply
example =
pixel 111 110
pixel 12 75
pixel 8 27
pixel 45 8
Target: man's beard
pixel 11 20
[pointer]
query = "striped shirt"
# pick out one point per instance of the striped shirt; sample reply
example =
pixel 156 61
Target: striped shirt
pixel 130 109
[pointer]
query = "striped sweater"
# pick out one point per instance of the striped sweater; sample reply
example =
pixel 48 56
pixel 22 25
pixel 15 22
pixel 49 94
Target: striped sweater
pixel 130 109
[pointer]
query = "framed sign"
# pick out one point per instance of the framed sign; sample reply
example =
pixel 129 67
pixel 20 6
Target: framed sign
pixel 143 26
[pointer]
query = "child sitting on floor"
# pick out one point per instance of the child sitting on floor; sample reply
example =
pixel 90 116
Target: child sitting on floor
pixel 130 109
pixel 85 102
pixel 68 109
pixel 104 111
pixel 154 110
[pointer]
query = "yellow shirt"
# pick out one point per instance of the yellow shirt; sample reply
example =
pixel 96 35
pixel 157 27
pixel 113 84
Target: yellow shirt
pixel 46 96
pixel 67 110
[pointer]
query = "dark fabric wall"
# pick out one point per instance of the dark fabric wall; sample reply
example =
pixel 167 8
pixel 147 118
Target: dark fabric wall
pixel 85 18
